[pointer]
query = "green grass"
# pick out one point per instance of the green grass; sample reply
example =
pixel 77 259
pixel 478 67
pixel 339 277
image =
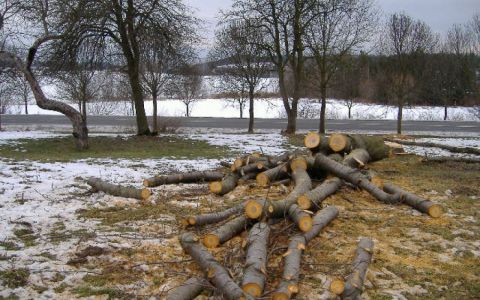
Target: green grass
pixel 14 278
pixel 134 147
pixel 87 292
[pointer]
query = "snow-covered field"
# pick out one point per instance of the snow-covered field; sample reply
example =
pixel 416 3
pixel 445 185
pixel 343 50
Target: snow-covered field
pixel 273 108
pixel 44 199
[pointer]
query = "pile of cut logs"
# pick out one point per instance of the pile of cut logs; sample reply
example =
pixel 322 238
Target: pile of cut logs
pixel 335 161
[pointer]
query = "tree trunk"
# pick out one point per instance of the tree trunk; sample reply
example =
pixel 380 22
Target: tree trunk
pixel 188 109
pixel 250 110
pixel 253 281
pixel 226 185
pixel 215 272
pixel 84 110
pixel 118 190
pixel 354 285
pixel 420 204
pixel 349 112
pixel 311 200
pixel 155 112
pixel 323 109
pixel 190 177
pixel 267 177
pixel 215 217
pixel 241 108
pixel 26 105
pixel 445 115
pixel 400 116
pixel 226 232
pixel 137 93
pixel 189 289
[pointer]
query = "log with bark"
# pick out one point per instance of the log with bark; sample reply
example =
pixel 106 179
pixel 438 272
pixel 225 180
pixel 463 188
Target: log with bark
pixel 190 177
pixel 312 199
pixel 189 289
pixel 214 217
pixel 291 270
pixel 273 174
pixel 374 145
pixel 316 143
pixel 213 270
pixel 354 283
pixel 226 185
pixel 226 232
pixel 465 150
pixel 420 204
pixel 118 190
pixel 254 274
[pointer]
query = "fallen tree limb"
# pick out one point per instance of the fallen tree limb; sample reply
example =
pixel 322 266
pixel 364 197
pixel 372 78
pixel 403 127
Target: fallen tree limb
pixel 191 177
pixel 226 185
pixel 374 145
pixel 420 204
pixel 117 190
pixel 291 270
pixel 254 274
pixel 273 174
pixel 225 232
pixel 214 271
pixel 189 289
pixel 466 150
pixel 354 282
pixel 215 217
pixel 313 198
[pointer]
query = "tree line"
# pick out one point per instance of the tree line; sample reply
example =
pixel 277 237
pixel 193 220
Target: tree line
pixel 316 48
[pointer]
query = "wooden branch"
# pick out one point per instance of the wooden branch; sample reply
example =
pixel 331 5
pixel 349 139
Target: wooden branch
pixel 188 177
pixel 271 175
pixel 214 271
pixel 254 274
pixel 215 217
pixel 466 150
pixel 226 185
pixel 312 199
pixel 118 190
pixel 189 289
pixel 317 143
pixel 226 232
pixel 423 205
pixel 354 283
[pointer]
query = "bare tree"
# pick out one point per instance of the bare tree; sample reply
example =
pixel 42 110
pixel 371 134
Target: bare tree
pixel 6 88
pixel 240 43
pixel 475 29
pixel 337 29
pixel 234 89
pixel 187 86
pixel 404 39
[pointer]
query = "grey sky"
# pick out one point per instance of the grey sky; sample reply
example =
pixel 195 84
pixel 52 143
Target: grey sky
pixel 439 14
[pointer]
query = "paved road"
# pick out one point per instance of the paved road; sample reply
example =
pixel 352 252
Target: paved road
pixel 344 125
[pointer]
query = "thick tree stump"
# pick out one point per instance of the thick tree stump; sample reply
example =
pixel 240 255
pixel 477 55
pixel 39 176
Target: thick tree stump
pixel 273 174
pixel 255 272
pixel 117 190
pixel 214 271
pixel 215 217
pixel 354 282
pixel 291 270
pixel 316 143
pixel 312 199
pixel 189 289
pixel 225 232
pixel 228 184
pixel 423 205
pixel 191 177
pixel 340 143
pixel 355 177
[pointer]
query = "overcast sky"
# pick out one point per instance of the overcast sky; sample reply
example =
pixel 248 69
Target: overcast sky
pixel 439 14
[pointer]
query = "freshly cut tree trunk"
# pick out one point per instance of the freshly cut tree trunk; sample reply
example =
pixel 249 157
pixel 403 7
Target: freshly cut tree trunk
pixel 340 143
pixel 214 271
pixel 253 281
pixel 291 270
pixel 255 209
pixel 363 257
pixel 226 232
pixel 355 177
pixel 374 145
pixel 300 218
pixel 358 158
pixel 215 217
pixel 312 199
pixel 118 190
pixel 317 143
pixel 420 204
pixel 189 289
pixel 466 150
pixel 253 168
pixel 271 175
pixel 228 183
pixel 250 159
pixel 191 177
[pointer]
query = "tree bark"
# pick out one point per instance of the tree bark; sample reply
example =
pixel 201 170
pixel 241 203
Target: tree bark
pixel 317 143
pixel 323 109
pixel 215 217
pixel 191 177
pixel 420 204
pixel 226 232
pixel 267 177
pixel 189 289
pixel 118 190
pixel 215 272
pixel 250 110
pixel 311 200
pixel 399 117
pixel 363 257
pixel 291 270
pixel 255 271
pixel 226 185
pixel 155 113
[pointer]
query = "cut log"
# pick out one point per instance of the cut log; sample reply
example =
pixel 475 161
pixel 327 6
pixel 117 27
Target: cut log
pixel 253 168
pixel 214 271
pixel 465 150
pixel 243 161
pixel 191 177
pixel 271 175
pixel 226 232
pixel 189 289
pixel 215 217
pixel 291 270
pixel 357 158
pixel 355 177
pixel 312 199
pixel 254 274
pixel 316 143
pixel 374 145
pixel 418 203
pixel 255 209
pixel 118 190
pixel 302 219
pixel 340 143
pixel 226 185
pixel 354 282
pixel 246 177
